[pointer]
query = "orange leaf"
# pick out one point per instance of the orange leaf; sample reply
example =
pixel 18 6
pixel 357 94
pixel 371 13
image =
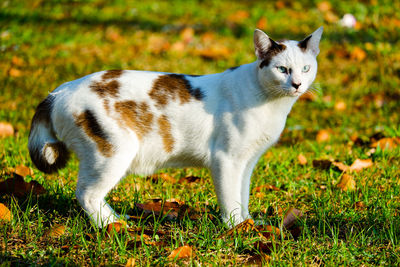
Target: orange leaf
pixel 358 54
pixel 323 136
pixel 181 252
pixel 262 23
pixel 268 231
pixel 214 52
pixel 187 34
pixel 14 72
pixel 245 226
pixel 341 166
pixel 302 159
pixel 360 164
pixel 6 129
pixel 387 143
pixel 5 213
pixel 130 263
pixel 56 231
pixel 23 170
pixel 238 16
pixel 346 183
pixel 266 187
pixel 340 105
pixel 17 61
pixel 324 6
pixel 171 210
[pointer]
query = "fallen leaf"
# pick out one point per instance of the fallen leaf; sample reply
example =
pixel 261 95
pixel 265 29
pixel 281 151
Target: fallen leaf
pixel 17 61
pixel 322 163
pixel 324 6
pixel 302 159
pixel 340 105
pixel 358 54
pixel 6 129
pixel 23 170
pixel 56 231
pixel 359 205
pixel 243 227
pixel 323 136
pixel 187 34
pixel 181 252
pixel 238 17
pixel 360 164
pixel 346 183
pixel 341 166
pixel 5 213
pixel 387 143
pixel 130 263
pixel 189 179
pixel 266 187
pixel 291 217
pixel 14 72
pixel 158 44
pixel 259 259
pixel 262 23
pixel 18 187
pixel 163 176
pixel 267 231
pixel 172 210
pixel 214 52
pixel 116 227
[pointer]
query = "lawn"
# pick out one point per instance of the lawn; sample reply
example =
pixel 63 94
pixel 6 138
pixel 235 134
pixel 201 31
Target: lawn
pixel 337 160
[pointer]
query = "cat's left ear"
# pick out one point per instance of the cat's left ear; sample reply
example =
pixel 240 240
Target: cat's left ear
pixel 311 42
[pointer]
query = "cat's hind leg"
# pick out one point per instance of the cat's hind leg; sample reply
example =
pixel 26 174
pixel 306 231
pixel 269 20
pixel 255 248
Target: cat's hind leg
pixel 98 175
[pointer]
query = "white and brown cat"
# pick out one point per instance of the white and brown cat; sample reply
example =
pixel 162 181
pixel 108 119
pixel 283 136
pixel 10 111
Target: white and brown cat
pixel 123 121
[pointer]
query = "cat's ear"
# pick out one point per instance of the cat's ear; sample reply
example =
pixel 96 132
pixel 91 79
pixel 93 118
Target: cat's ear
pixel 262 43
pixel 311 42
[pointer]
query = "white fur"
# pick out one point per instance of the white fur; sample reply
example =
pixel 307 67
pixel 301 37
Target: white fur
pixel 242 114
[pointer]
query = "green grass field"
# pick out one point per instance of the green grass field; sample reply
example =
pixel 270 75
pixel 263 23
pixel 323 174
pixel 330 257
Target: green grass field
pixel 356 103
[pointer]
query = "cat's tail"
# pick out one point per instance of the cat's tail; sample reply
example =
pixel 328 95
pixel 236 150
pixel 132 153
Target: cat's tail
pixel 46 151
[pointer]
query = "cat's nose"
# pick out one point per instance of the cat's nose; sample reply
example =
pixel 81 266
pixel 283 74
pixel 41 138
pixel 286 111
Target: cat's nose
pixel 296 85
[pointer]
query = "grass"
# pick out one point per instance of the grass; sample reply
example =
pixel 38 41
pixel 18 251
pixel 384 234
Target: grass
pixel 46 43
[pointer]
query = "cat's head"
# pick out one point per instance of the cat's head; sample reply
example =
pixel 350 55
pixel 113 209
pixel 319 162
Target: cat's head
pixel 286 68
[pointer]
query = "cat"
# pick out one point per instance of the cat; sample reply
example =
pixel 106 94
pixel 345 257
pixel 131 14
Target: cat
pixel 123 121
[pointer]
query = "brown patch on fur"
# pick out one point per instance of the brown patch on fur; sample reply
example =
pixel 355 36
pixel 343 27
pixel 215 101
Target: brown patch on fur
pixel 173 87
pixel 165 132
pixel 106 104
pixel 88 122
pixel 136 116
pixel 105 87
pixel 112 74
pixel 274 50
pixel 303 44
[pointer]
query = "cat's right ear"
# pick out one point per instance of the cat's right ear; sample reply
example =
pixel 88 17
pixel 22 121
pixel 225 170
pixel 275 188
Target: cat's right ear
pixel 261 43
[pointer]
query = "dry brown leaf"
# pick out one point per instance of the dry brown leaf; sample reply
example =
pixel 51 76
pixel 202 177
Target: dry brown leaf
pixel 56 231
pixel 5 213
pixel 291 217
pixel 6 129
pixel 359 205
pixel 189 179
pixel 331 17
pixel 259 259
pixel 17 61
pixel 266 187
pixel 214 52
pixel 23 170
pixel 360 164
pixel 267 231
pixel 163 176
pixel 280 4
pixel 172 210
pixel 323 136
pixel 347 183
pixel 387 143
pixel 322 163
pixel 130 263
pixel 181 252
pixel 243 227
pixel 341 166
pixel 116 227
pixel 158 44
pixel 18 187
pixel 302 159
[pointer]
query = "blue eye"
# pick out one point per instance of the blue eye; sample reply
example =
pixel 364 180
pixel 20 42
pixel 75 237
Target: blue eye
pixel 282 69
pixel 306 68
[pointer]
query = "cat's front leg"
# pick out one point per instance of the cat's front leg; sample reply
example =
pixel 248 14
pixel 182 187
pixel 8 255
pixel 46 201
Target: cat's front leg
pixel 228 183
